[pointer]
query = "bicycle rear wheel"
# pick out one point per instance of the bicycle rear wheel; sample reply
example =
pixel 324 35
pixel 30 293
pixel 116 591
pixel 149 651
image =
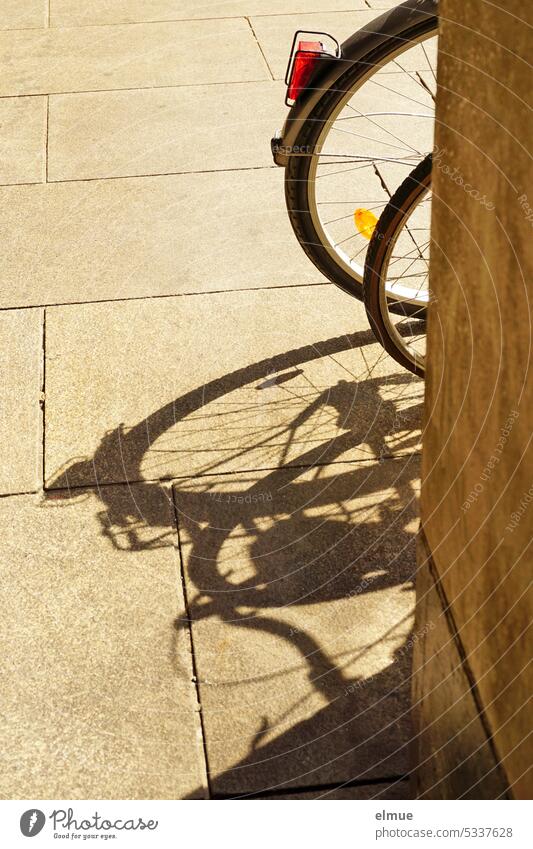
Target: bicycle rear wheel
pixel 363 137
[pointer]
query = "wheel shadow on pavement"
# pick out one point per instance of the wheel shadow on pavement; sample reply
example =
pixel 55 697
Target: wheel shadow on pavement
pixel 317 531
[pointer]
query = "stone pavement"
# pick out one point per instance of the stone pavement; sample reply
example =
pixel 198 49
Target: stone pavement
pixel 208 493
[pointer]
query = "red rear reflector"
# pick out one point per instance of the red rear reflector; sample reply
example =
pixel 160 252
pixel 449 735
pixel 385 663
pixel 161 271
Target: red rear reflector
pixel 305 60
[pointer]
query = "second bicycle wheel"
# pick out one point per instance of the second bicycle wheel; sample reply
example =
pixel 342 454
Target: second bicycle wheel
pixel 397 265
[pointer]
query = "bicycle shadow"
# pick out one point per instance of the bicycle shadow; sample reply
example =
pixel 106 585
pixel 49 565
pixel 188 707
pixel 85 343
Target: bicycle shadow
pixel 311 521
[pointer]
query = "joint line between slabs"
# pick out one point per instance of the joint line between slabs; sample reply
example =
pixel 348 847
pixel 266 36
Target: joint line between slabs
pixel 192 649
pixel 262 52
pixel 42 402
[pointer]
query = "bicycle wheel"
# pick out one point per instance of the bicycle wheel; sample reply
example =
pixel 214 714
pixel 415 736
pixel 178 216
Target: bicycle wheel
pixel 363 137
pixel 398 260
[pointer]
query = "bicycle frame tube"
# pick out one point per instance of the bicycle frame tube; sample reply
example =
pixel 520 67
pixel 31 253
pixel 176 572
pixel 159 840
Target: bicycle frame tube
pixel 409 18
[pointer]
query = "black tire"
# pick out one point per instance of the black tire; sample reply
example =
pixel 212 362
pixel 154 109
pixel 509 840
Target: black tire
pixel 390 222
pixel 297 170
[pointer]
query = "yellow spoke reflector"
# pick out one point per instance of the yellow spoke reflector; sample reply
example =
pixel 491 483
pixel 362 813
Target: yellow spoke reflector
pixel 365 221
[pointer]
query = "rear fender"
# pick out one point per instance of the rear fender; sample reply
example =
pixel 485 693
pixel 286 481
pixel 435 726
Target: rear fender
pixel 368 44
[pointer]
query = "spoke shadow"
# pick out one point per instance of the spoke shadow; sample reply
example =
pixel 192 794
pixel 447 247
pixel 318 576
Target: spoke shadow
pixel 310 539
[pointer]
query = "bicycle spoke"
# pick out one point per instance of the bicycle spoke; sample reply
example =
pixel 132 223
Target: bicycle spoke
pixel 366 151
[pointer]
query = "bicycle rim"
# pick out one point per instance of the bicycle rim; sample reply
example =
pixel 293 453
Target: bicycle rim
pixel 376 162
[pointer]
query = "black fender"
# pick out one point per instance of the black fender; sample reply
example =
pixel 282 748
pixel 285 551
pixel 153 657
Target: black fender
pixel 409 18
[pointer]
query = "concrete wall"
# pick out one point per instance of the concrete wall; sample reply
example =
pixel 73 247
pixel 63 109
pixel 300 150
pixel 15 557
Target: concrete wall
pixel 471 681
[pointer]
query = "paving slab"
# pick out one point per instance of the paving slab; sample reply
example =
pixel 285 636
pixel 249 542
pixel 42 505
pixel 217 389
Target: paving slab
pixel 377 792
pixel 157 389
pixel 72 13
pixel 22 139
pixel 135 56
pixel 26 15
pixel 113 239
pixel 20 414
pixel 97 697
pixel 162 131
pixel 300 593
pixel 110 134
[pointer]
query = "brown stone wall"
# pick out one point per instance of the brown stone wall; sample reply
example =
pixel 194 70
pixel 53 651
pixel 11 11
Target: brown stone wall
pixel 477 491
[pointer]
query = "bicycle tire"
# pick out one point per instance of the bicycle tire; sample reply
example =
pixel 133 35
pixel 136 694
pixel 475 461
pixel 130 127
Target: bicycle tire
pixel 381 243
pixel 297 171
